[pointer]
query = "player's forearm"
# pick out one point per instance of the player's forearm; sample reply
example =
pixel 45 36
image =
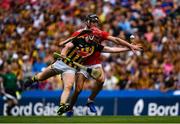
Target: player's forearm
pixel 114 50
pixel 64 42
pixel 61 43
pixel 65 50
pixel 119 41
pixel 123 42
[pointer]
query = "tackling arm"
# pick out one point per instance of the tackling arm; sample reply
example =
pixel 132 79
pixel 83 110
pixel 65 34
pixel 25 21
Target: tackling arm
pixel 118 49
pixel 124 43
pixel 119 41
pixel 114 49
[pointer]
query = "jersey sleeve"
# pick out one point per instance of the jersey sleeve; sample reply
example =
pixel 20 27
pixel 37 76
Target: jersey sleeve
pixel 104 35
pixel 100 33
pixel 75 33
pixel 75 42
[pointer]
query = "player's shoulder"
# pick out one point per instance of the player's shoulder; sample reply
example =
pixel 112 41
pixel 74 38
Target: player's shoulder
pixel 78 32
pixel 97 31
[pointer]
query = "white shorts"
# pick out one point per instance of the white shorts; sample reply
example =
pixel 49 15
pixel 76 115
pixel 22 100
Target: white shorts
pixel 60 67
pixel 85 73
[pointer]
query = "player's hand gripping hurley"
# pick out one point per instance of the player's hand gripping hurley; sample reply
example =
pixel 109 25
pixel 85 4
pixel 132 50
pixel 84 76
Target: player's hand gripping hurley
pixel 95 73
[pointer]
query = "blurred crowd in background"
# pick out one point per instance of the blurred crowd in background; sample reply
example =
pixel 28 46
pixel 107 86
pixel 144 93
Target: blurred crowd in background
pixel 30 31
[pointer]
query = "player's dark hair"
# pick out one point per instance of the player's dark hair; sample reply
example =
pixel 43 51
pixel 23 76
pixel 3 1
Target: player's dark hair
pixel 92 18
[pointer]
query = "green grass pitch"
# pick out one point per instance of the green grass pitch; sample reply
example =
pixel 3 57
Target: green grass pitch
pixel 90 119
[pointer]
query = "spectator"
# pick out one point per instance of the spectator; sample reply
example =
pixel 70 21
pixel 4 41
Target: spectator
pixel 9 88
pixel 38 65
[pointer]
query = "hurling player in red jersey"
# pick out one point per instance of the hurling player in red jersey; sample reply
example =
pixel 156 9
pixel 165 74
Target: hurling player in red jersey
pixel 94 61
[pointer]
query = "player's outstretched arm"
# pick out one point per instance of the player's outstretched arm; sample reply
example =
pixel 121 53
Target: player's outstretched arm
pixel 118 49
pixel 123 42
pixel 114 49
pixel 119 41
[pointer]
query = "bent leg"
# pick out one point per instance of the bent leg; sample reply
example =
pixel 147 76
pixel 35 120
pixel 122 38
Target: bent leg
pixel 48 72
pixel 98 86
pixel 45 74
pixel 68 81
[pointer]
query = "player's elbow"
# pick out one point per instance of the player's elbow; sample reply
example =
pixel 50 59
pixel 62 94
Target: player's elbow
pixel 69 45
pixel 111 38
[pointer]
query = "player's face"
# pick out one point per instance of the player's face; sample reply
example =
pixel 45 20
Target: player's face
pixel 92 24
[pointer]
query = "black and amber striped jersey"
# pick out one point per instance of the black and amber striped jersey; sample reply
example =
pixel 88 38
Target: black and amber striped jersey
pixel 81 50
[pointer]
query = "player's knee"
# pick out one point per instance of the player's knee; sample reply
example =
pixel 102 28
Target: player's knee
pixel 68 87
pixel 101 80
pixel 67 90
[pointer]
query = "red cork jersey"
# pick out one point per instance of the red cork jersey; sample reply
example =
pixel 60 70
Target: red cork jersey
pixel 97 36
